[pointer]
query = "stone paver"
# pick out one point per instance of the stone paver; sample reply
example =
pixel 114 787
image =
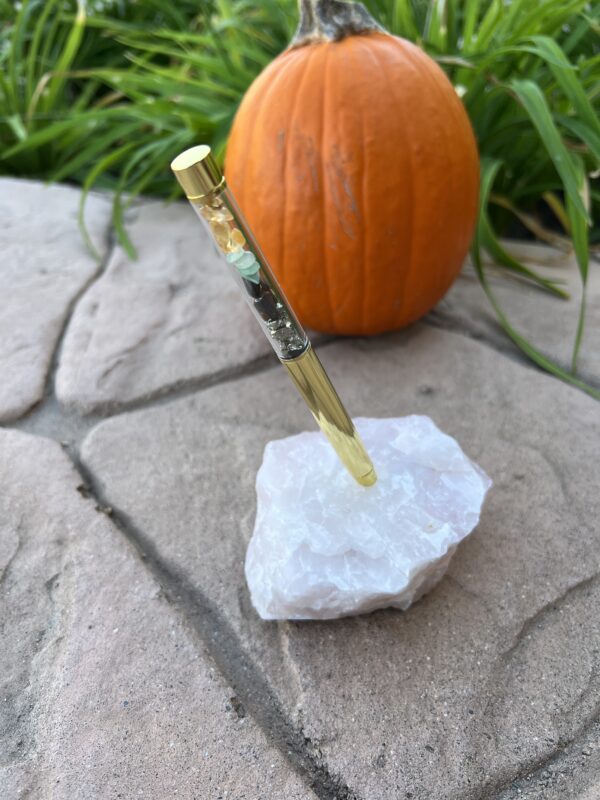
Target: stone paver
pixel 122 636
pixel 495 669
pixel 172 317
pixel 548 322
pixel 44 267
pixel 573 775
pixel 105 692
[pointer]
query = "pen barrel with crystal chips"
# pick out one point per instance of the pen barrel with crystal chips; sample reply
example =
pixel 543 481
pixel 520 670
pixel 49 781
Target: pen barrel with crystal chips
pixel 207 191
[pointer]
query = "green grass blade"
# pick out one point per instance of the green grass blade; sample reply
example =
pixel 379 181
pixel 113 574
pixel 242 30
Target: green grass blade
pixel 578 31
pixel 94 147
pixel 488 25
pixel 16 125
pixel 489 174
pixel 471 16
pixel 33 63
pixel 526 347
pixel 579 235
pixel 88 184
pixel 45 135
pixel 582 132
pixel 536 106
pixel 15 55
pixel 403 20
pixel 566 77
pixel 578 222
pixel 435 31
pixel 489 242
pixel 65 61
pixel 490 169
pixel 544 17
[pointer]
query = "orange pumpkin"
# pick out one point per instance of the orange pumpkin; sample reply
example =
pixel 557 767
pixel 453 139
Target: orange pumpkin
pixel 356 165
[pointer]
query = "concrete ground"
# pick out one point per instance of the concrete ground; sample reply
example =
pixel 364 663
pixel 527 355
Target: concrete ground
pixel 136 398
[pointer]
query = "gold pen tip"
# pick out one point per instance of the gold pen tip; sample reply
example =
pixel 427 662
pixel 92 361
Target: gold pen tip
pixel 369 479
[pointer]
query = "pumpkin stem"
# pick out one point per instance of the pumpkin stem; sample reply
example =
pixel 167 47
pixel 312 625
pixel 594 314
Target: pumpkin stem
pixel 330 21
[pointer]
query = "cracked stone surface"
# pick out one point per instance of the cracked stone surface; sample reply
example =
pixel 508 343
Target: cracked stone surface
pixel 574 774
pixel 171 317
pixel 105 690
pixel 494 671
pixel 132 663
pixel 548 322
pixel 45 265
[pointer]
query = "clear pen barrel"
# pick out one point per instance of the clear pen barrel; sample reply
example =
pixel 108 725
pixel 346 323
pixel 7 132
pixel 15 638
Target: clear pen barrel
pixel 239 250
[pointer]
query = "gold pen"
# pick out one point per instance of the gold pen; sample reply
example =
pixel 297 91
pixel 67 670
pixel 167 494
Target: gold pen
pixel 205 187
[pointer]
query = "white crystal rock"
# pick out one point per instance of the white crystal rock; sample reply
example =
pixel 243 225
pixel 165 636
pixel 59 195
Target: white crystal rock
pixel 325 547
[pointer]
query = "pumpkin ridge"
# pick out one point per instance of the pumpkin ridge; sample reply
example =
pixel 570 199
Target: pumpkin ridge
pixel 366 208
pixel 453 159
pixel 241 191
pixel 263 107
pixel 460 120
pixel 422 69
pixel 294 110
pixel 325 192
pixel 408 146
pixel 364 228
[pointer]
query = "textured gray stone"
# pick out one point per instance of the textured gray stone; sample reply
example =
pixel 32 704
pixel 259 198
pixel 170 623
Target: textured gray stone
pixel 573 774
pixel 494 670
pixel 105 691
pixel 172 317
pixel 44 266
pixel 548 322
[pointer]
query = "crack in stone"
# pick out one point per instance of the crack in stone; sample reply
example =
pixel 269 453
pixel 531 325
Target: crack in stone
pixel 5 569
pixel 68 427
pixel 548 608
pixel 560 478
pixel 437 319
pixel 239 670
pixel 502 785
pixel 186 387
pixel 119 357
pixel 46 648
pixel 563 749
pixel 585 694
pixel 470 593
pixel 551 605
pixel 49 389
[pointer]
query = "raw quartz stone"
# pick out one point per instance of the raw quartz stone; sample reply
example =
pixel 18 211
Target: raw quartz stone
pixel 325 547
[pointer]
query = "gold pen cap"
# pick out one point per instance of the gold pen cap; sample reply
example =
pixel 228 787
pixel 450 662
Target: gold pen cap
pixel 197 172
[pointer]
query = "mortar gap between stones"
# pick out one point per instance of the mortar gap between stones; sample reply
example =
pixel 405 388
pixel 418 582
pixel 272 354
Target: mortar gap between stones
pixel 187 388
pixel 224 648
pixel 504 347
